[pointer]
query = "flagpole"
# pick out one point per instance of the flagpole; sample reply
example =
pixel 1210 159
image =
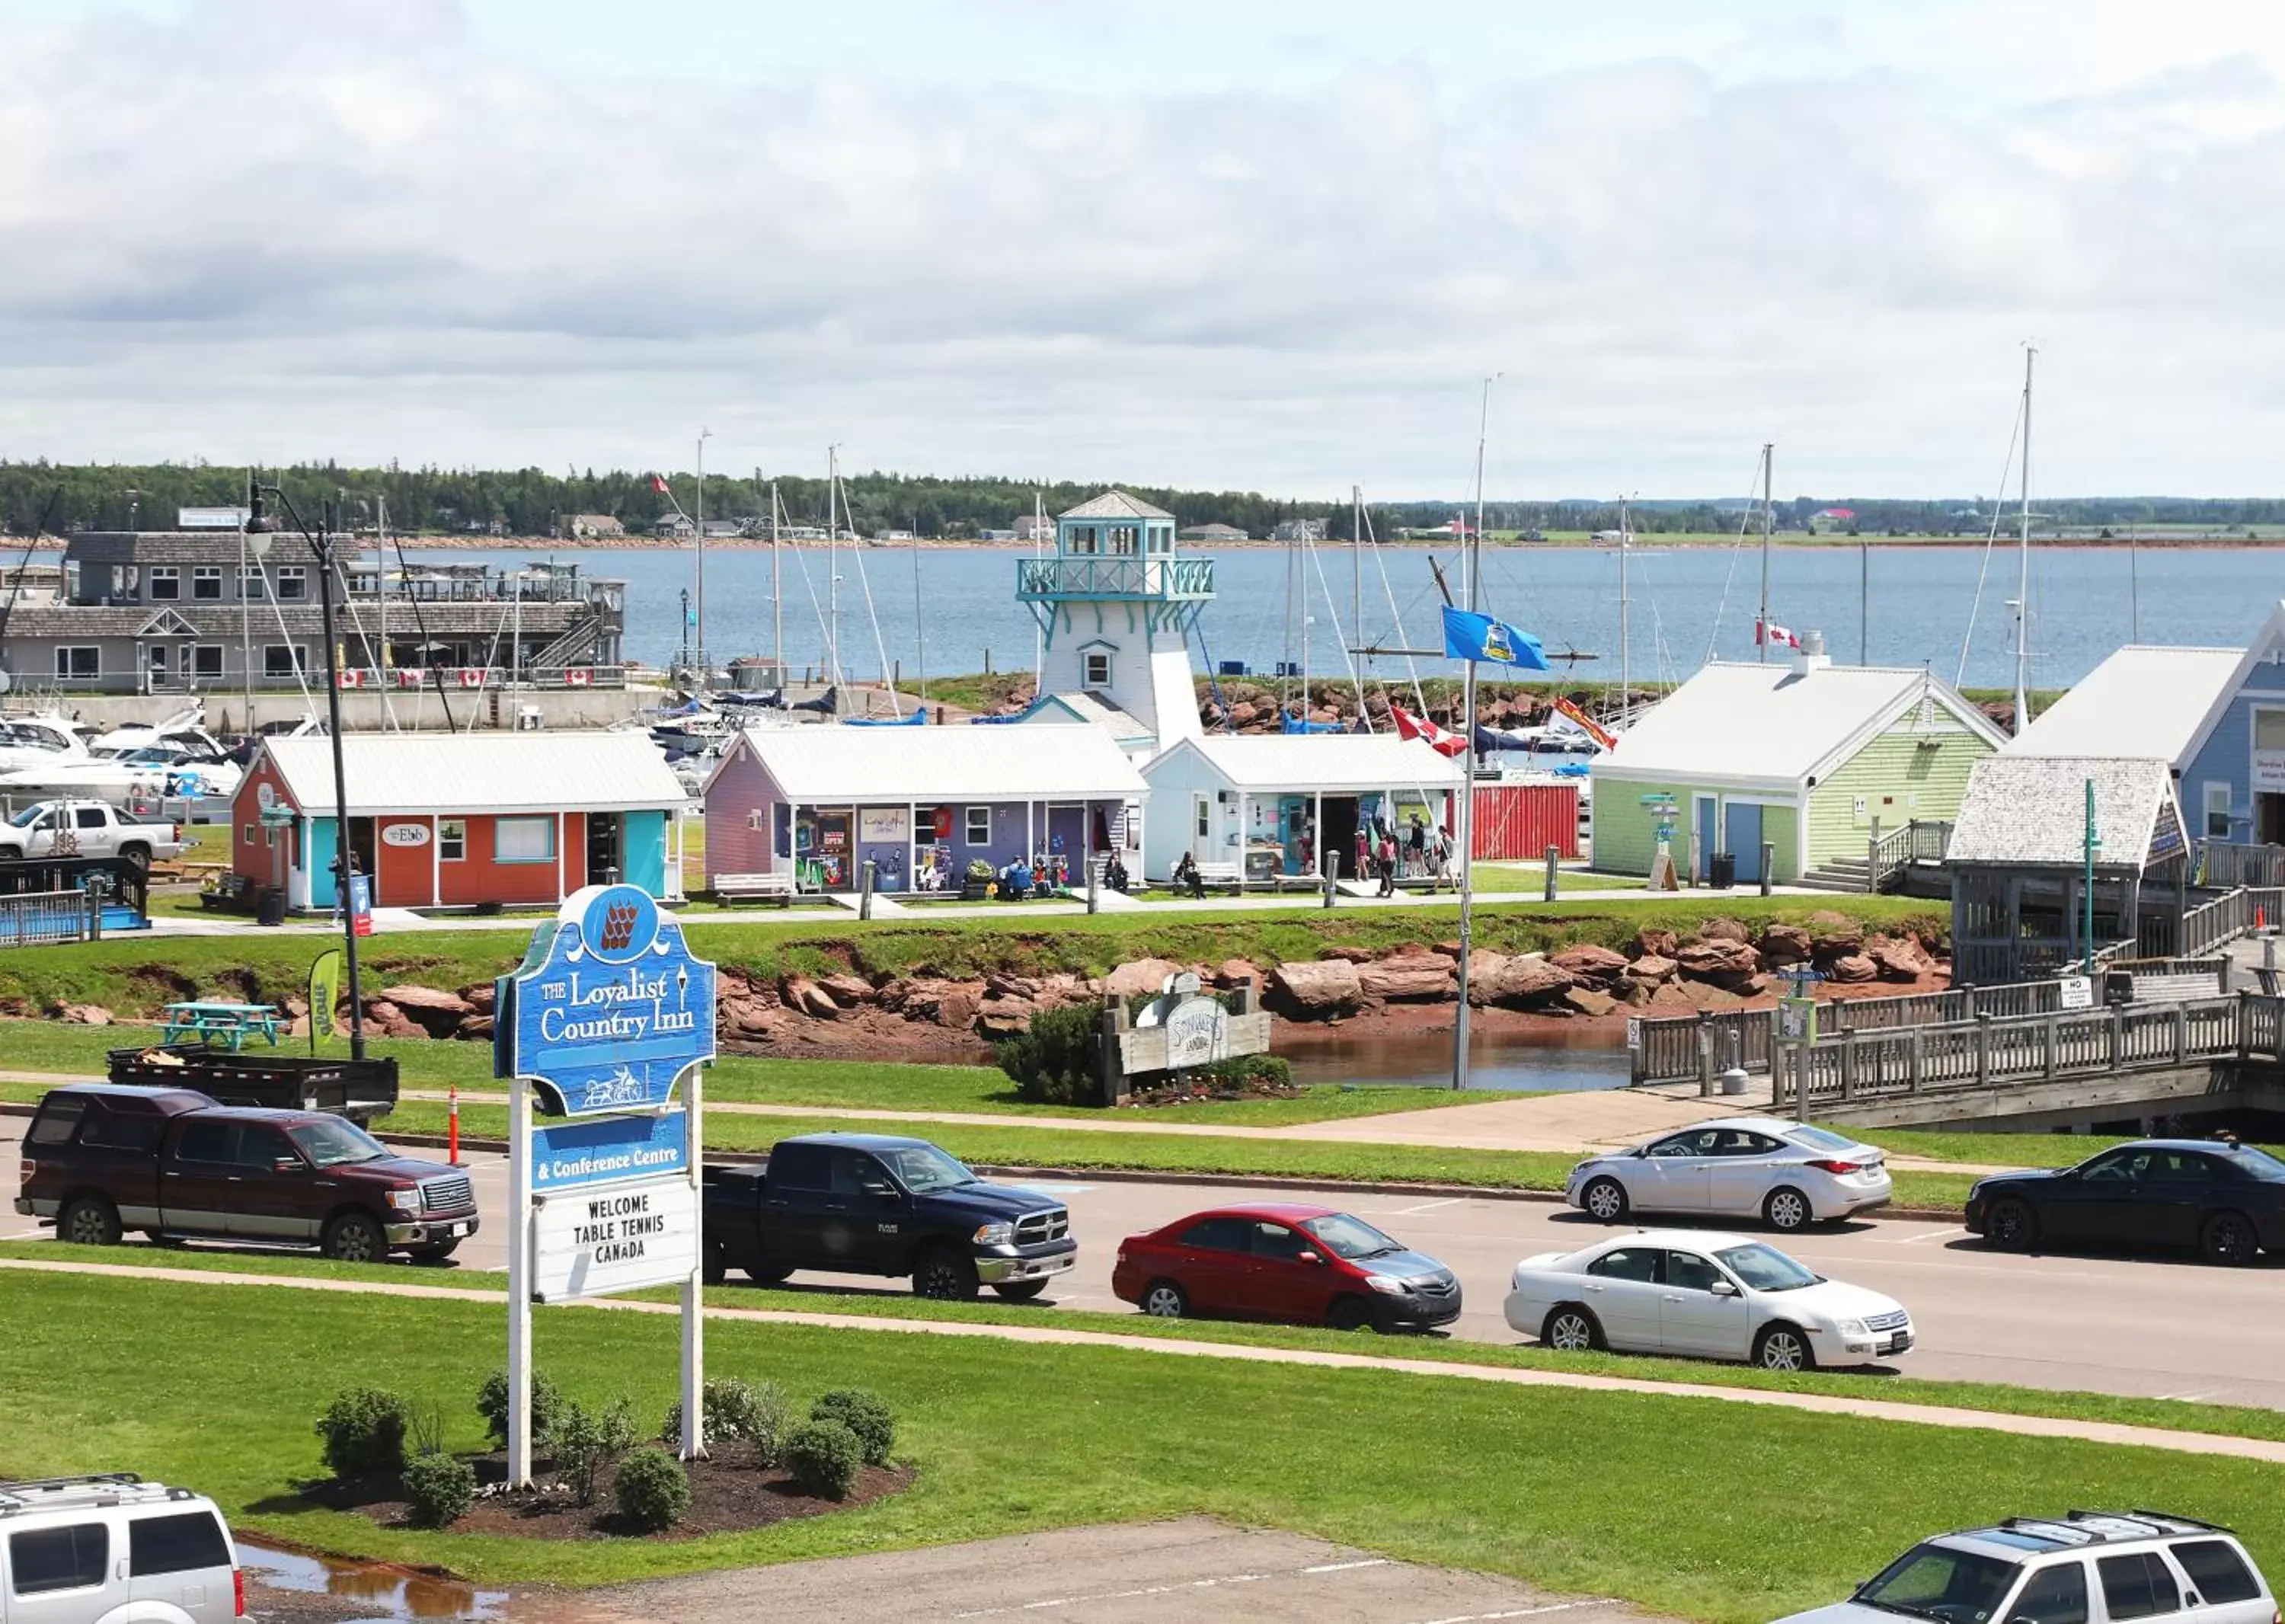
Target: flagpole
pixel 1463 814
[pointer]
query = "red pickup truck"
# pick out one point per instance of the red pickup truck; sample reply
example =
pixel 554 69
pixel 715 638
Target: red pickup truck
pixel 100 1158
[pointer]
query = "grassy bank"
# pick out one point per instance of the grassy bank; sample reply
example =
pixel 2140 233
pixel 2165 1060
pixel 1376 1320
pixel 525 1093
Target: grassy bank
pixel 137 977
pixel 1528 1485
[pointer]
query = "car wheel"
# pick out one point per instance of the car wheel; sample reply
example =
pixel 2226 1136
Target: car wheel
pixel 1348 1314
pixel 945 1274
pixel 354 1237
pixel 140 856
pixel 2228 1239
pixel 768 1274
pixel 2011 1225
pixel 1783 1348
pixel 1163 1299
pixel 1020 1291
pixel 1605 1199
pixel 1787 1209
pixel 88 1221
pixel 1571 1330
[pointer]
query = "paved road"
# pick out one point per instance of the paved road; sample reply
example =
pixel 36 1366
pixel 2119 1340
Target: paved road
pixel 1141 1574
pixel 2148 1327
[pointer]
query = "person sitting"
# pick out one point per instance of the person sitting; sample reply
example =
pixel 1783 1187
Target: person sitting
pixel 1016 880
pixel 1187 877
pixel 1114 872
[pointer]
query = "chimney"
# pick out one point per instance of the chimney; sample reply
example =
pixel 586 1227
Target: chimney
pixel 1811 655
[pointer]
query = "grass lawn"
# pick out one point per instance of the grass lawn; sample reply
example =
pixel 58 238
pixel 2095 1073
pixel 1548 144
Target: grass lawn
pixel 1533 876
pixel 2237 1421
pixel 45 1046
pixel 1010 1438
pixel 136 977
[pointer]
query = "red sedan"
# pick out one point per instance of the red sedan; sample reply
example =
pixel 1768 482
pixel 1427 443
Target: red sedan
pixel 1311 1266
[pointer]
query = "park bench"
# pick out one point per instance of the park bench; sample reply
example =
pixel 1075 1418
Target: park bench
pixel 777 887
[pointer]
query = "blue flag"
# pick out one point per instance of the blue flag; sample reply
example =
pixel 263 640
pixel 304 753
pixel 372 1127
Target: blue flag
pixel 1480 637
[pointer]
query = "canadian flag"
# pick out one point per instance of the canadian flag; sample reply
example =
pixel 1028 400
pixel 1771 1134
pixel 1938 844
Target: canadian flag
pixel 658 484
pixel 1409 727
pixel 1769 632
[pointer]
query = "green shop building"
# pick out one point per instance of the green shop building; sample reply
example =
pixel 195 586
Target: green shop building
pixel 1798 754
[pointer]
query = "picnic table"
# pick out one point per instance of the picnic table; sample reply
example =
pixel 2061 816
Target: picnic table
pixel 217 1022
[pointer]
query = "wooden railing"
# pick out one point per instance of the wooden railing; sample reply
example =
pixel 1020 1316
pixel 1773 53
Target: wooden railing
pixel 1850 1067
pixel 2223 863
pixel 2228 917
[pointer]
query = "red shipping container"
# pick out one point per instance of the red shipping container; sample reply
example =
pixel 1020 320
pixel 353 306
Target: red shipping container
pixel 1517 822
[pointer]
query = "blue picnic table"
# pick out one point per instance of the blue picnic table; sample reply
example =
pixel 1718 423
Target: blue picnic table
pixel 217 1022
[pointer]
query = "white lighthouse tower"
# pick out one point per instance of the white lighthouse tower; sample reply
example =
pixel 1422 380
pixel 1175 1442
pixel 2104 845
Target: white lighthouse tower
pixel 1115 606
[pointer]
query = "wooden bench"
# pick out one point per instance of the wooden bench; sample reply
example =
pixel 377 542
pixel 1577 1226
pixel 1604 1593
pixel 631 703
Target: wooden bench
pixel 777 887
pixel 1221 876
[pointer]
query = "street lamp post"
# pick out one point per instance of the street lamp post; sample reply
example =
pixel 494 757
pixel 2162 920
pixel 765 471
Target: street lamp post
pixel 257 523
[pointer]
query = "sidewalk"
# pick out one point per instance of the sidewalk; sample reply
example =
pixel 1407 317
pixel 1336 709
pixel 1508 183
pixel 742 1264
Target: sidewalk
pixel 1871 1409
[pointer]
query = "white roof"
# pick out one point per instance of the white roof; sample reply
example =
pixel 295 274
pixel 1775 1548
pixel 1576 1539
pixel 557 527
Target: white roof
pixel 1775 724
pixel 1115 505
pixel 1340 763
pixel 2150 700
pixel 1093 709
pixel 2031 810
pixel 835 765
pixel 478 773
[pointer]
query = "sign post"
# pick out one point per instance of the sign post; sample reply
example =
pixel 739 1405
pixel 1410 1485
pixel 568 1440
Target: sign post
pixel 605 1018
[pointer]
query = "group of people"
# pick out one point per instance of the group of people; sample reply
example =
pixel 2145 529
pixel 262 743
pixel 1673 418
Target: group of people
pixel 1415 852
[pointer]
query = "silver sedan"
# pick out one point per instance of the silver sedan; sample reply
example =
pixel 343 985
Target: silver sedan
pixel 1787 1174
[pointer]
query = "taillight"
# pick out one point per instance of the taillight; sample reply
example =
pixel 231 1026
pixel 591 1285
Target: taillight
pixel 1837 1167
pixel 25 1171
pixel 238 1592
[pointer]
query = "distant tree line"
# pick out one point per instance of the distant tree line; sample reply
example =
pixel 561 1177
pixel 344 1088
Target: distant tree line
pixel 63 497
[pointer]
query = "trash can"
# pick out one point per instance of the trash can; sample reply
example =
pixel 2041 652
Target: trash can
pixel 269 906
pixel 1721 870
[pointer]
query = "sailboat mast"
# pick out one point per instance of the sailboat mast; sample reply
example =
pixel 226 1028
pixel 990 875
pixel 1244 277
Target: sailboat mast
pixel 2024 566
pixel 1038 632
pixel 1762 626
pixel 1626 661
pixel 777 592
pixel 698 562
pixel 1475 552
pixel 832 568
pixel 1464 826
pixel 1356 590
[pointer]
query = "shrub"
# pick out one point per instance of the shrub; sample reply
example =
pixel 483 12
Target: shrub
pixel 824 1457
pixel 1055 1062
pixel 755 1414
pixel 492 1404
pixel 864 1413
pixel 584 1441
pixel 440 1487
pixel 654 1490
pixel 363 1430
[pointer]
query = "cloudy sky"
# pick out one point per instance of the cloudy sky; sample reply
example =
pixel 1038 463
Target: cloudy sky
pixel 1237 243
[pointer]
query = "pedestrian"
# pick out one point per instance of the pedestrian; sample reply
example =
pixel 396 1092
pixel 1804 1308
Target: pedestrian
pixel 1386 864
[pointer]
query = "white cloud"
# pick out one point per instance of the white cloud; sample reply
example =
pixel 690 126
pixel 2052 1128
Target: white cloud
pixel 227 232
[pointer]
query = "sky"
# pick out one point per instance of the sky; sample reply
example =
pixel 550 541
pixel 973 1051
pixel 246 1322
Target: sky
pixel 1250 244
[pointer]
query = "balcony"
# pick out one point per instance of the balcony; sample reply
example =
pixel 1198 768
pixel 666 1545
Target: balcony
pixel 1160 579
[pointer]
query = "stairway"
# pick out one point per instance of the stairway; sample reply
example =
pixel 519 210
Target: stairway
pixel 575 646
pixel 1841 874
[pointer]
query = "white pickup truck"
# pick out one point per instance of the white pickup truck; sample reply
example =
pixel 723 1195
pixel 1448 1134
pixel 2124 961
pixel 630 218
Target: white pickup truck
pixel 86 828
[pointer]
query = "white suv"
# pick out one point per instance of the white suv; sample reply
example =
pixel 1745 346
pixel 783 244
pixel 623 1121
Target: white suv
pixel 2088 1567
pixel 88 1550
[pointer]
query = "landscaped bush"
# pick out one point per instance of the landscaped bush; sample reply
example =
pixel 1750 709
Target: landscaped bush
pixel 363 1430
pixel 1057 1062
pixel 654 1490
pixel 439 1487
pixel 492 1401
pixel 824 1457
pixel 755 1414
pixel 864 1413
pixel 584 1441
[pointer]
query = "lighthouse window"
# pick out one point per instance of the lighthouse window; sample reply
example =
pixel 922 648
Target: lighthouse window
pixel 1082 538
pixel 1123 537
pixel 1096 671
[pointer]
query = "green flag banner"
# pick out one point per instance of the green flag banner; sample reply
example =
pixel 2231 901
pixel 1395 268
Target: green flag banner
pixel 324 992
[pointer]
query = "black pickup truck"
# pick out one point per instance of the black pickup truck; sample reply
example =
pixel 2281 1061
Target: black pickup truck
pixel 866 1204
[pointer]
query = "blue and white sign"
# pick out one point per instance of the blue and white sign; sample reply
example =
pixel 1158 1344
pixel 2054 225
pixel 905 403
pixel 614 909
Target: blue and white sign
pixel 609 1009
pixel 605 1149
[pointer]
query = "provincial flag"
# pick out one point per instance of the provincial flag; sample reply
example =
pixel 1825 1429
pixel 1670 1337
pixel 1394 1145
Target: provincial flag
pixel 1469 636
pixel 1768 631
pixel 658 484
pixel 1410 726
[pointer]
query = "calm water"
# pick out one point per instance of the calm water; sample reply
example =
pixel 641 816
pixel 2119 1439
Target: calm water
pixel 2084 605
pixel 1563 1062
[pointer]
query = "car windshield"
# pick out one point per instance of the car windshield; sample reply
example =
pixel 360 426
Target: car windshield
pixel 24 819
pixel 1765 1269
pixel 336 1144
pixel 1351 1237
pixel 1937 1581
pixel 923 1168
pixel 1821 1138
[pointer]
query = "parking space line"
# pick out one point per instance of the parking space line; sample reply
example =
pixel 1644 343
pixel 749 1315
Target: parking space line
pixel 1425 1206
pixel 1175 1587
pixel 1344 1568
pixel 1522 1612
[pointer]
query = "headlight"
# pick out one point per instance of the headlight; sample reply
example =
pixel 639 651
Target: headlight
pixel 1852 1327
pixel 404 1200
pixel 993 1234
pixel 1387 1283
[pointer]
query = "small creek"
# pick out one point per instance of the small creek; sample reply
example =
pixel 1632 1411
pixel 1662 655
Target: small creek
pixel 1551 1061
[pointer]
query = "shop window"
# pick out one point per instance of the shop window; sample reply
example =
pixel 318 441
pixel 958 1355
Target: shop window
pixel 979 826
pixel 452 839
pixel 206 660
pixel 293 583
pixel 166 583
pixel 206 583
pixel 524 840
pixel 79 659
pixel 283 660
pixel 2217 811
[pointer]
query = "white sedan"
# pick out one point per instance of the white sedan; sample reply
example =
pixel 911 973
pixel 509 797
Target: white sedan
pixel 1788 1173
pixel 1707 1296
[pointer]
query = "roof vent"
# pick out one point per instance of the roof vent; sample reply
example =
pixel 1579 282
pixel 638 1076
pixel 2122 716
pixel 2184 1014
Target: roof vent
pixel 1811 655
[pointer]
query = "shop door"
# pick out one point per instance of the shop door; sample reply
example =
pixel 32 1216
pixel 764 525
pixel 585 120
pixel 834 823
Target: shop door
pixel 2269 820
pixel 1745 840
pixel 1339 835
pixel 363 846
pixel 606 855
